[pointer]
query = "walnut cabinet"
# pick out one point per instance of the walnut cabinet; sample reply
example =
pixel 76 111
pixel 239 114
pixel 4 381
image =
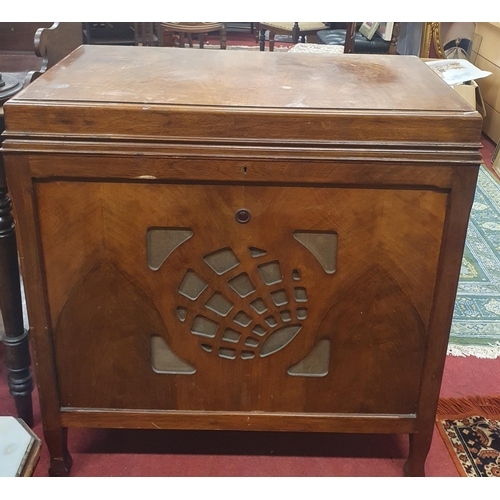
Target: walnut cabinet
pixel 238 240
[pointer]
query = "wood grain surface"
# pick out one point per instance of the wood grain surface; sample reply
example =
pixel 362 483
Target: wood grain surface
pixel 164 195
pixel 106 303
pixel 222 94
pixel 162 75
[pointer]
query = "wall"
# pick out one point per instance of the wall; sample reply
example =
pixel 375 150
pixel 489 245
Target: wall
pixel 488 59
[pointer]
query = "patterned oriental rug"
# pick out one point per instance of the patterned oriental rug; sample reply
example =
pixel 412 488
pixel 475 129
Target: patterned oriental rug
pixel 470 429
pixel 475 330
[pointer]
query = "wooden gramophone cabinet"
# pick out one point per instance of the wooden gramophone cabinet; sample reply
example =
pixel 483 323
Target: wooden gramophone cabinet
pixel 241 241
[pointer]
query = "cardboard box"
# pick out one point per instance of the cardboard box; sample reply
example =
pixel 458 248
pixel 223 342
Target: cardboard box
pixel 469 91
pixel 472 94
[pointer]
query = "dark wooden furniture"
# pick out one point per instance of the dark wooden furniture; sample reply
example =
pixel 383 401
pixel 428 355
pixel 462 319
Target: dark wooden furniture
pixel 176 34
pixel 27 51
pixel 14 337
pixel 355 42
pixel 298 31
pixel 207 250
pixel 109 33
pixel 146 34
pixel 17 57
pixel 113 33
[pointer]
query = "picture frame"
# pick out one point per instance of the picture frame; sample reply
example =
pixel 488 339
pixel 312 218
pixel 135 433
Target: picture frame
pixel 384 30
pixel 368 29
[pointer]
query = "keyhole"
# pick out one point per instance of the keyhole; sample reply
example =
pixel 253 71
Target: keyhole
pixel 242 216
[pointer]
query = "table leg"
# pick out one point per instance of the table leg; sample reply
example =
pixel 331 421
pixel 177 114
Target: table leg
pixel 262 40
pixel 15 338
pixel 271 40
pixel 295 33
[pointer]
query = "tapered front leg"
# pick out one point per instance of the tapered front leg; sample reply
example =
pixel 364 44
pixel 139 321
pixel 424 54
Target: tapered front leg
pixel 60 459
pixel 420 445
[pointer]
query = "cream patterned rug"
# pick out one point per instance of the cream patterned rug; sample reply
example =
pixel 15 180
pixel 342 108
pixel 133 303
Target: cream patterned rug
pixel 316 48
pixel 255 47
pixel 475 330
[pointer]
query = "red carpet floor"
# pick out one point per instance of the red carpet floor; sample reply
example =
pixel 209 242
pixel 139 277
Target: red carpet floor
pixel 127 453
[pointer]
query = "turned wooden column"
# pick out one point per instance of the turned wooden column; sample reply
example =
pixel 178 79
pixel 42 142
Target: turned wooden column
pixel 15 338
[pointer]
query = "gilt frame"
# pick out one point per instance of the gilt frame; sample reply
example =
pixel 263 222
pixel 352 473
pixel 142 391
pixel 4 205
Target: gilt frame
pixel 431 34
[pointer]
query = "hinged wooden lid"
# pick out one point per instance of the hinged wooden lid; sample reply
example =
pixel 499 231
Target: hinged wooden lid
pixel 159 93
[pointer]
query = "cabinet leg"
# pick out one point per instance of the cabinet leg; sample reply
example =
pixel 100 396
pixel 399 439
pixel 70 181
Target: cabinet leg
pixel 420 445
pixel 15 340
pixel 60 459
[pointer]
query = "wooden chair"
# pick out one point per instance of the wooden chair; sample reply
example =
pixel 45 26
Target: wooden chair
pixel 145 35
pixel 298 31
pixel 20 65
pixel 354 42
pixel 174 34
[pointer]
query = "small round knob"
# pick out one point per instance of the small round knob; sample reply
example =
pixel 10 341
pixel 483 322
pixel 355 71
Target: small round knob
pixel 242 216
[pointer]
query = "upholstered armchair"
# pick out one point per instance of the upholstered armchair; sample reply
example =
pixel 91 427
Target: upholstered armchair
pixel 361 44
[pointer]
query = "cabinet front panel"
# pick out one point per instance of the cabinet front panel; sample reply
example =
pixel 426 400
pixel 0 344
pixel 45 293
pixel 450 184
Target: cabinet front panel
pixel 241 297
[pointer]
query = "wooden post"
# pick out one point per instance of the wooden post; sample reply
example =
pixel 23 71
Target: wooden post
pixel 15 339
pixel 350 35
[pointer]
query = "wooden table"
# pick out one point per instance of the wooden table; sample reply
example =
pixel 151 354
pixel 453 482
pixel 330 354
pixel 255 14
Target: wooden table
pixel 207 249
